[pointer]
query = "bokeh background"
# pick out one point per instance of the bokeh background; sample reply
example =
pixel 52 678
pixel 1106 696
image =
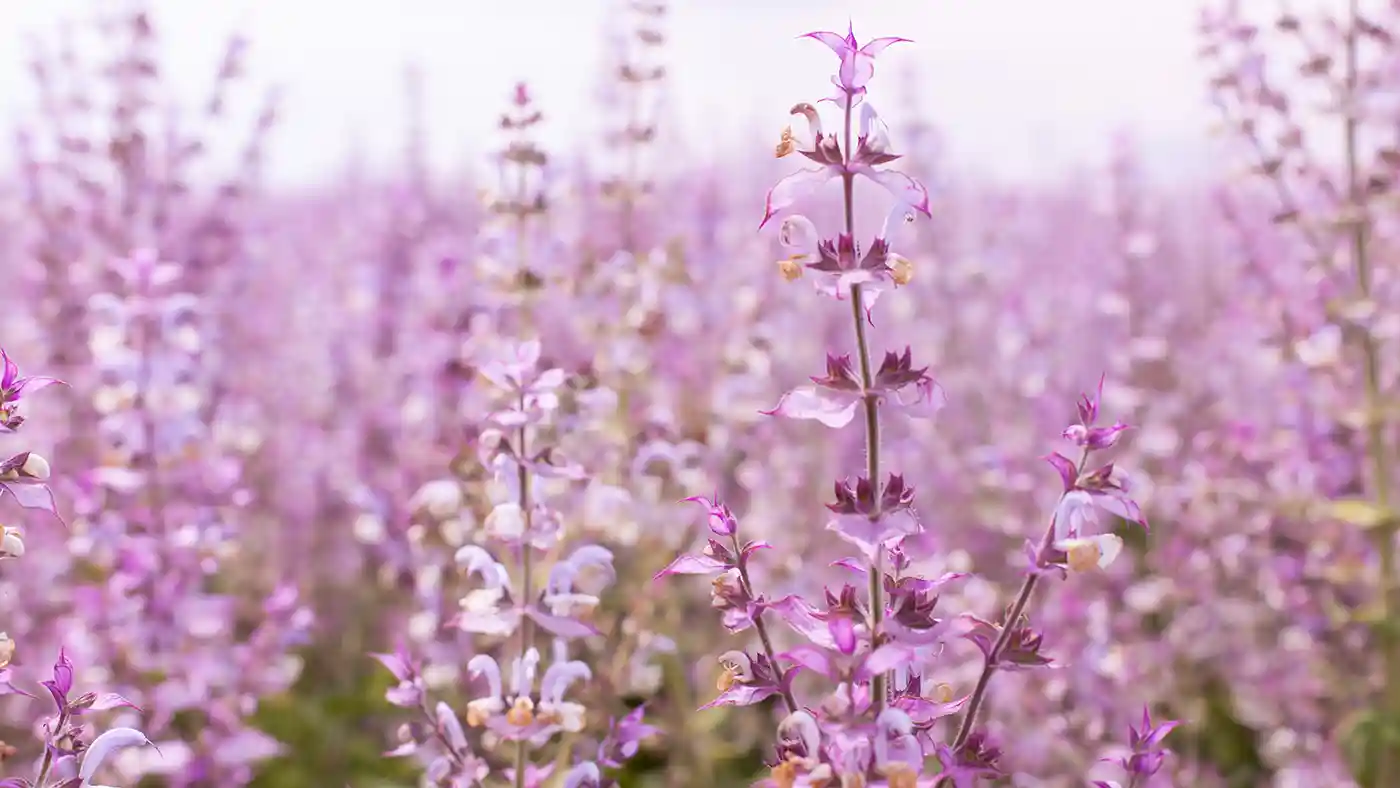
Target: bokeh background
pixel 251 454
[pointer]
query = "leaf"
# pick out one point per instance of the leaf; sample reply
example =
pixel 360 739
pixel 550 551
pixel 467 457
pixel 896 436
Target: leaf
pixel 1362 514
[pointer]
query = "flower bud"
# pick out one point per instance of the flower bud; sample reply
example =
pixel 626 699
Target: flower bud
pixel 901 269
pixel 11 543
pixel 727 591
pixel 506 521
pixel 35 467
pixel 440 498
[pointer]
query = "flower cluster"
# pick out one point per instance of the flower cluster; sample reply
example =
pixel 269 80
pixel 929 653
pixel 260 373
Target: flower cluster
pixel 23 476
pixel 72 754
pixel 524 588
pixel 879 653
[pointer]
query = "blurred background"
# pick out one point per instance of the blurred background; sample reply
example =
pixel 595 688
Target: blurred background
pixel 271 246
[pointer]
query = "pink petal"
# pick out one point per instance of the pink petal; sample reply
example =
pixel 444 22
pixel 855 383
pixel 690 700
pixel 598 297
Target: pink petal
pixel 111 700
pixel 812 658
pixel 927 399
pixel 906 190
pixel 692 565
pixel 741 695
pixel 835 41
pixel 34 384
pixel 786 192
pixel 561 626
pixel 796 613
pixel 32 496
pixel 875 46
pixel 886 658
pixel 831 408
pixel 1069 472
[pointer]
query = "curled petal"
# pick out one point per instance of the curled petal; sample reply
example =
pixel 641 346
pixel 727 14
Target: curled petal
pixel 802 617
pixel 885 659
pixel 812 658
pixel 908 192
pixel 786 192
pixel 484 665
pixel 450 726
pixel 1120 506
pixel 925 401
pixel 396 664
pixel 111 700
pixel 1069 472
pixel 560 626
pixel 559 677
pixel 31 496
pixel 832 408
pixel 693 565
pixel 742 695
pixel 103 746
pixel 799 236
pixel 835 41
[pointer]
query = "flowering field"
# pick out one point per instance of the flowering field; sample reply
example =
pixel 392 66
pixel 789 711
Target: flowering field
pixel 619 476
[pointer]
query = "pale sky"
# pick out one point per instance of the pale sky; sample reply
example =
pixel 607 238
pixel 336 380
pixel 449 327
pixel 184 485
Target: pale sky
pixel 1021 88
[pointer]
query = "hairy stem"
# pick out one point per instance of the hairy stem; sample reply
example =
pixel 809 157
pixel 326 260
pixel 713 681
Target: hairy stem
pixel 879 691
pixel 761 628
pixel 1018 609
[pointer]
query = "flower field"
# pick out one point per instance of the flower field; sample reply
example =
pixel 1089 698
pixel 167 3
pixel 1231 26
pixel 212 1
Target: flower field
pixel 827 466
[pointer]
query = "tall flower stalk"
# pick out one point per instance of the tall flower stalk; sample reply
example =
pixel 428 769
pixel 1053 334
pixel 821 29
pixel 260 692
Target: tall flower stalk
pixel 875 725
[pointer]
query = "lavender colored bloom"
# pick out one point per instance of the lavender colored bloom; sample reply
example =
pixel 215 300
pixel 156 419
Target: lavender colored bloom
pixel 24 477
pixel 13 388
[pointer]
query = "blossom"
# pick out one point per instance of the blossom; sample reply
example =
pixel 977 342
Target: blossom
pixel 61 684
pixel 1146 753
pixel 514 712
pixel 833 398
pixel 13 388
pixel 103 747
pixel 871 150
pixel 561 595
pixel 23 476
pixel 623 738
pixel 869 523
pixel 857 60
pixel 747 679
pixel 408 693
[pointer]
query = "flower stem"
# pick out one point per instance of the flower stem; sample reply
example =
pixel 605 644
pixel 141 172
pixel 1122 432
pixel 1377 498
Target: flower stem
pixel 1018 609
pixel 879 685
pixel 989 667
pixel 762 629
pixel 1376 449
pixel 47 763
pixel 526 628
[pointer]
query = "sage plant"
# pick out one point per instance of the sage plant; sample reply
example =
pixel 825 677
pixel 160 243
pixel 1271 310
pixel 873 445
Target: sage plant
pixel 880 651
pixel 72 753
pixel 23 476
pixel 516 712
